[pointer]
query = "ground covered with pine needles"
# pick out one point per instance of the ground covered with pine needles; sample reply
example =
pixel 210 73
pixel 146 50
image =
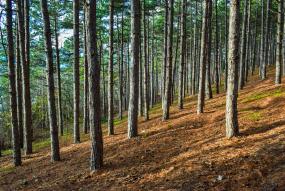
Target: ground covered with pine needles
pixel 187 152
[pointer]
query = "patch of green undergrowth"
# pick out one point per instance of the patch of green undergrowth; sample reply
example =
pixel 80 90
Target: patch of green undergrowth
pixel 261 95
pixel 254 116
pixel 7 169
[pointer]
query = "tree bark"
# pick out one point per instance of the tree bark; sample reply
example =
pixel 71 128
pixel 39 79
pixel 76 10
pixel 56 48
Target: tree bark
pixel 12 79
pixel 94 89
pixel 55 155
pixel 59 102
pixel 76 80
pixel 280 30
pixel 243 47
pixel 146 65
pixel 183 53
pixel 110 72
pixel 232 128
pixel 134 80
pixel 168 83
pixel 203 59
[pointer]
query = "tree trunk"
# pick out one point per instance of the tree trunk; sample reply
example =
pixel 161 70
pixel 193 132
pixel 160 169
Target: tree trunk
pixel 27 112
pixel 146 65
pixel 226 44
pixel 110 72
pixel 55 155
pixel 94 89
pixel 203 59
pixel 86 80
pixel 12 89
pixel 60 116
pixel 168 83
pixel 243 47
pixel 280 30
pixel 76 82
pixel 217 51
pixel 134 80
pixel 164 51
pixel 183 53
pixel 209 55
pixel 232 128
pixel 19 87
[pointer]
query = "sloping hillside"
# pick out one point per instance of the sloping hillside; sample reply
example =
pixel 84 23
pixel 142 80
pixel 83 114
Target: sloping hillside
pixel 188 152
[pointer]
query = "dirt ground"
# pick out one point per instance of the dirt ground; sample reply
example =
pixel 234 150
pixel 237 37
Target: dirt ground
pixel 187 152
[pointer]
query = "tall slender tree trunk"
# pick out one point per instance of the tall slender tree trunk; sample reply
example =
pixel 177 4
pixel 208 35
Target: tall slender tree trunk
pixel 110 71
pixel 76 77
pixel 55 155
pixel 209 92
pixel 27 112
pixel 203 59
pixel 86 80
pixel 248 41
pixel 183 53
pixel 135 60
pixel 194 66
pixel 146 65
pixel 164 51
pixel 12 79
pixel 19 87
pixel 94 89
pixel 280 31
pixel 232 128
pixel 121 68
pixel 226 44
pixel 217 50
pixel 60 115
pixel 243 47
pixel 168 77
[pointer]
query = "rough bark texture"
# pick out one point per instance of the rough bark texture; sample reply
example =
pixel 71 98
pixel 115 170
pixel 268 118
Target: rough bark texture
pixel 203 59
pixel 134 64
pixel 12 79
pixel 280 29
pixel 232 128
pixel 168 68
pixel 76 82
pixel 55 155
pixel 94 88
pixel 110 72
pixel 209 92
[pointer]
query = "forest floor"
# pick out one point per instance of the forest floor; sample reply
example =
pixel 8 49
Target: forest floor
pixel 187 152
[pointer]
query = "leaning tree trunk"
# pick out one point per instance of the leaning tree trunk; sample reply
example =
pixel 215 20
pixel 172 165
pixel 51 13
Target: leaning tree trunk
pixel 110 72
pixel 183 53
pixel 134 63
pixel 12 78
pixel 55 155
pixel 94 89
pixel 280 29
pixel 168 76
pixel 203 59
pixel 232 128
